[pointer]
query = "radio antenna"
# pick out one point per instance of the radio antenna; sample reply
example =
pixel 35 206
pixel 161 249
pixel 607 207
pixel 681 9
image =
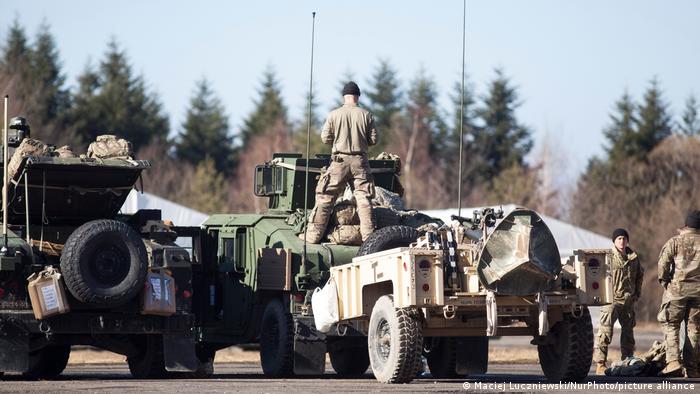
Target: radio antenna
pixel 461 112
pixel 302 269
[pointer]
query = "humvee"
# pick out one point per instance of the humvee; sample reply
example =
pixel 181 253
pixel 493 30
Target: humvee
pixel 64 213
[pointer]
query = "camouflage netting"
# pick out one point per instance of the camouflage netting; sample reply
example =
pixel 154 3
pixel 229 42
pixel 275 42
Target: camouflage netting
pixel 105 147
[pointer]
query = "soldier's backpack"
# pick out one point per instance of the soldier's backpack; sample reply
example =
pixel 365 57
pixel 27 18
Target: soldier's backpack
pixel 28 147
pixel 108 146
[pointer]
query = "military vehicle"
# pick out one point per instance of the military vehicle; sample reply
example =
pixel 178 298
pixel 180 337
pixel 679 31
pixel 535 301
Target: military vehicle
pixel 459 284
pixel 252 283
pixel 62 215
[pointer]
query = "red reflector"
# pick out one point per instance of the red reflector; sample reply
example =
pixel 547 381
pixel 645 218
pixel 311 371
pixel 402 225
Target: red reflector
pixel 299 297
pixel 2 292
pixel 593 263
pixel 595 285
pixel 405 267
pixel 426 287
pixel 186 294
pixel 424 264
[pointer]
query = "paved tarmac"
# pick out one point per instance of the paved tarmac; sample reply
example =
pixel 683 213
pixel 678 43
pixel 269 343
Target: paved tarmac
pixel 248 377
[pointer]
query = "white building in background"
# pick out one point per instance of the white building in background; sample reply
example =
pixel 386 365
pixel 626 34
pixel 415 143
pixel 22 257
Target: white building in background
pixel 180 215
pixel 568 236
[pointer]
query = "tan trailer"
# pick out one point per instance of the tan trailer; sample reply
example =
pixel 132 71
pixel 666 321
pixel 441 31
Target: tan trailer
pixel 452 289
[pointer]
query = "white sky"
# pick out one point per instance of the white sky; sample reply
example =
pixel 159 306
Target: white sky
pixel 570 59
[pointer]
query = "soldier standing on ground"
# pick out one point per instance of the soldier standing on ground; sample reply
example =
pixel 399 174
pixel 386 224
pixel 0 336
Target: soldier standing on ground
pixel 679 273
pixel 627 275
pixel 350 129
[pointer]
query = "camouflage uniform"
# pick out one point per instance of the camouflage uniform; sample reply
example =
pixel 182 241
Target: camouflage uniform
pixel 627 276
pixel 350 129
pixel 679 272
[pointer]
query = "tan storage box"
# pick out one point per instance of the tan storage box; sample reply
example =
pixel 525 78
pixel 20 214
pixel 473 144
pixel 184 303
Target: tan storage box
pixel 159 294
pixel 46 293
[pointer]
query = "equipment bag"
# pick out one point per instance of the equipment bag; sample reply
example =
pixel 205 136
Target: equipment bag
pixel 108 146
pixel 324 303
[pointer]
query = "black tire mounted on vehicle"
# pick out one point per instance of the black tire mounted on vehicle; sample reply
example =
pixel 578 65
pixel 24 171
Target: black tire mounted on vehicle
pixel 568 358
pixel 350 360
pixel 442 357
pixel 384 239
pixel 277 340
pixel 47 362
pixel 149 363
pixel 395 342
pixel 104 263
pixel 388 238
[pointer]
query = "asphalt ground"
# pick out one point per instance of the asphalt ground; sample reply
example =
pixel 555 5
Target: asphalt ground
pixel 248 377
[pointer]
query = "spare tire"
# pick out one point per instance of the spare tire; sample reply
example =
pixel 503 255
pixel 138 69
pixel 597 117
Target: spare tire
pixel 104 263
pixel 388 238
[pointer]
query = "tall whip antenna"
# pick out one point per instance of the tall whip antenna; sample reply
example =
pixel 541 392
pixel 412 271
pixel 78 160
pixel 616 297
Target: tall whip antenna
pixel 302 270
pixel 461 112
pixel 4 178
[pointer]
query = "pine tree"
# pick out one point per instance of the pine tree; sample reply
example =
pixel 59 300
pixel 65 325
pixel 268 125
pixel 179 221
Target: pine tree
pixel 316 146
pixel 690 121
pixel 269 108
pixel 421 139
pixel 621 134
pixel 465 117
pixel 383 99
pixel 207 189
pixel 15 59
pixel 205 131
pixel 502 142
pixel 654 120
pixel 113 100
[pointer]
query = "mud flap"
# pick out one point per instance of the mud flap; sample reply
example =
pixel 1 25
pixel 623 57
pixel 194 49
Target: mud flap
pixel 472 355
pixel 14 353
pixel 179 353
pixel 309 347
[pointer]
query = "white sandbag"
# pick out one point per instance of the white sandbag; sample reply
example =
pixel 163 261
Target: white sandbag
pixel 324 303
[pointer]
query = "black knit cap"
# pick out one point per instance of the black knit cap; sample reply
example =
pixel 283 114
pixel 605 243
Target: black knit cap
pixel 351 88
pixel 692 220
pixel 618 232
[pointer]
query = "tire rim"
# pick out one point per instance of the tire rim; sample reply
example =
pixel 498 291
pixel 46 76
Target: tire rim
pixel 109 264
pixel 383 332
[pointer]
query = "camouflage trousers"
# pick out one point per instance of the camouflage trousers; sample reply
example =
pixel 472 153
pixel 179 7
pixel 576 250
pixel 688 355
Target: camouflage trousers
pixel 344 169
pixel 608 315
pixel 671 314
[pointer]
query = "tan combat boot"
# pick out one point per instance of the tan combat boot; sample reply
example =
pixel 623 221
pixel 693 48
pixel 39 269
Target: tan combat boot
pixel 600 369
pixel 673 369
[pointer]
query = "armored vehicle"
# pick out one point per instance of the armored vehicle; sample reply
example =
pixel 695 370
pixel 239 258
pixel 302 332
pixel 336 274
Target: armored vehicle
pixel 64 229
pixel 253 284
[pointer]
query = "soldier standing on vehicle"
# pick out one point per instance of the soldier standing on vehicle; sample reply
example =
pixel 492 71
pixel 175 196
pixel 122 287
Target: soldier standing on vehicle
pixel 350 129
pixel 627 275
pixel 679 273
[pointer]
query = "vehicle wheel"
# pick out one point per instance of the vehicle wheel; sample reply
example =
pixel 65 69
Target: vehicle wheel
pixel 442 357
pixel 104 263
pixel 47 362
pixel 474 353
pixel 205 363
pixel 388 238
pixel 568 358
pixel 277 340
pixel 350 360
pixel 395 342
pixel 150 362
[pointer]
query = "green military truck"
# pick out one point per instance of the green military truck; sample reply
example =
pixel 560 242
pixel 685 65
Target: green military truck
pixel 251 283
pixel 63 224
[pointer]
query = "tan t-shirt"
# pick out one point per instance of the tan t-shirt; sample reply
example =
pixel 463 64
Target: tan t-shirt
pixel 350 129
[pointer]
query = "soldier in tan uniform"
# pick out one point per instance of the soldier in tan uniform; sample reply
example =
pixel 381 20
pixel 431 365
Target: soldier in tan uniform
pixel 679 273
pixel 627 276
pixel 350 129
